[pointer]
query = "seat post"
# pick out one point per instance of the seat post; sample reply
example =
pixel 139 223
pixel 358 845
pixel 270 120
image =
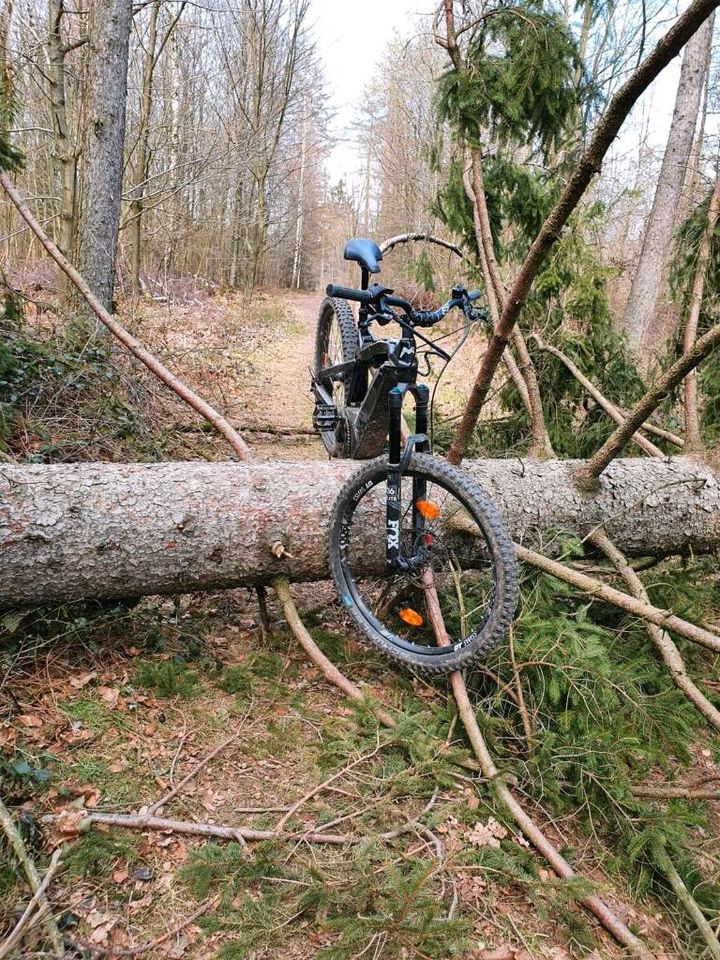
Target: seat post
pixel 365 281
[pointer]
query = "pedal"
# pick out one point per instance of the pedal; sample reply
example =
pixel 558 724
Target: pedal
pixel 325 416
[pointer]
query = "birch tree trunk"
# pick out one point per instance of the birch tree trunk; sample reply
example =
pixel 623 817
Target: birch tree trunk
pixel 128 530
pixel 108 40
pixel 646 305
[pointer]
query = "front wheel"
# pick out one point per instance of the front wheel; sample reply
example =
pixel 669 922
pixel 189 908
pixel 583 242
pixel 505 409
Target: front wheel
pixel 460 586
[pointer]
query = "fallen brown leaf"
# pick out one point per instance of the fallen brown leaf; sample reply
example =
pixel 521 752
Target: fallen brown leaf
pixel 30 720
pixel 83 680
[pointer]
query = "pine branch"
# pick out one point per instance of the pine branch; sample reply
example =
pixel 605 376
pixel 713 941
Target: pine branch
pixel 599 398
pixel 532 832
pixel 660 638
pixel 603 591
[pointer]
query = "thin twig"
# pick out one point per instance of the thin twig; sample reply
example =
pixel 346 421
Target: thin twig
pixel 266 627
pixel 163 801
pixel 158 941
pixel 522 708
pixel 135 821
pixel 387 245
pixel 687 900
pixel 27 919
pixel 280 825
pixel 19 849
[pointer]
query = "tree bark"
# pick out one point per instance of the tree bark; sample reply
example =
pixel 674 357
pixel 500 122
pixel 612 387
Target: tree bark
pixel 644 311
pixel 108 40
pixel 66 150
pixel 693 438
pixel 128 530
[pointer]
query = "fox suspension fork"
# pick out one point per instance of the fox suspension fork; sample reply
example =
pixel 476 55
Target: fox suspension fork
pixel 398 464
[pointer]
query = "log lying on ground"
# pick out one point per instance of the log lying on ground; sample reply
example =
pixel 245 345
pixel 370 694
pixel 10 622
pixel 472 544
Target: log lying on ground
pixel 129 530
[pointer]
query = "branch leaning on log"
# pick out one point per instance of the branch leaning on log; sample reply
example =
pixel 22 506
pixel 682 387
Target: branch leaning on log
pixel 129 530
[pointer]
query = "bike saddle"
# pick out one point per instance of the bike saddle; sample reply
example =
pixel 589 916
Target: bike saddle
pixel 365 252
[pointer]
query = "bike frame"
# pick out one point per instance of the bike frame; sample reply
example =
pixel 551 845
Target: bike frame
pixel 375 412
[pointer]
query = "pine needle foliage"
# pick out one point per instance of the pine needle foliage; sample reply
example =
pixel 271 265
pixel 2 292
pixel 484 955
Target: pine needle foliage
pixel 373 900
pixel 520 84
pixel 605 715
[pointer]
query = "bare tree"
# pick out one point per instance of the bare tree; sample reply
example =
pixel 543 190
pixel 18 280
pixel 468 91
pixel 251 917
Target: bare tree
pixel 643 314
pixel 108 41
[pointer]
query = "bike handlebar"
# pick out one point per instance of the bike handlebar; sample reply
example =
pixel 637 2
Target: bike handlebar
pixel 348 293
pixel 378 295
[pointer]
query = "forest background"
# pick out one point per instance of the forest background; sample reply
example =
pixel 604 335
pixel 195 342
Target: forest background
pixel 182 156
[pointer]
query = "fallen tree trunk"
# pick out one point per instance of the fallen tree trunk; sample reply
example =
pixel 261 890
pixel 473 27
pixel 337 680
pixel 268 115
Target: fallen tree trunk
pixel 128 530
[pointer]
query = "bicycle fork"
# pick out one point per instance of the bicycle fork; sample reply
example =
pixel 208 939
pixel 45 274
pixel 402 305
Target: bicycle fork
pixel 399 462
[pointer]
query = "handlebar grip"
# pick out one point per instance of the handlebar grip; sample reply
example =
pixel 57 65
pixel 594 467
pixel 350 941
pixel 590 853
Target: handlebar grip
pixel 348 293
pixel 474 294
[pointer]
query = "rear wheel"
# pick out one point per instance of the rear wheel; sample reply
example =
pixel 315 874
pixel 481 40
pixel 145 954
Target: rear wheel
pixel 336 342
pixel 460 583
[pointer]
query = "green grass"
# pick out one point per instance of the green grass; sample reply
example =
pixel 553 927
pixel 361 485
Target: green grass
pixel 92 714
pixel 126 787
pixel 168 678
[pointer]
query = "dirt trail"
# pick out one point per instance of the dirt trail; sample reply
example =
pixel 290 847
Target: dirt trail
pixel 278 396
pixel 252 359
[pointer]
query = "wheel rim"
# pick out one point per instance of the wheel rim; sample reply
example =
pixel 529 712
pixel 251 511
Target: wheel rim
pixel 459 566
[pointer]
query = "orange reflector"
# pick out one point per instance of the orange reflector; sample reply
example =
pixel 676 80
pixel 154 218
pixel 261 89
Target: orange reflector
pixel 410 617
pixel 428 509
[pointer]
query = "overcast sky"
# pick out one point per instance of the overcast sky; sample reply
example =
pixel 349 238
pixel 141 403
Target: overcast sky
pixel 352 35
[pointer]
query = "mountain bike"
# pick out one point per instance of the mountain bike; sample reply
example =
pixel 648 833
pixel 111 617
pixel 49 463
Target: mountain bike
pixel 418 552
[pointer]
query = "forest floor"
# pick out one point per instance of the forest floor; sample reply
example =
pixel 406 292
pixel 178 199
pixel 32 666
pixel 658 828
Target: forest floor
pixel 110 707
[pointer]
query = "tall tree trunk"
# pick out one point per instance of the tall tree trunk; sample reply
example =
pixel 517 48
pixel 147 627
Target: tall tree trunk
pixel 693 439
pixel 123 530
pixel 644 313
pixel 108 39
pixel 142 161
pixel 66 150
pixel 297 257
